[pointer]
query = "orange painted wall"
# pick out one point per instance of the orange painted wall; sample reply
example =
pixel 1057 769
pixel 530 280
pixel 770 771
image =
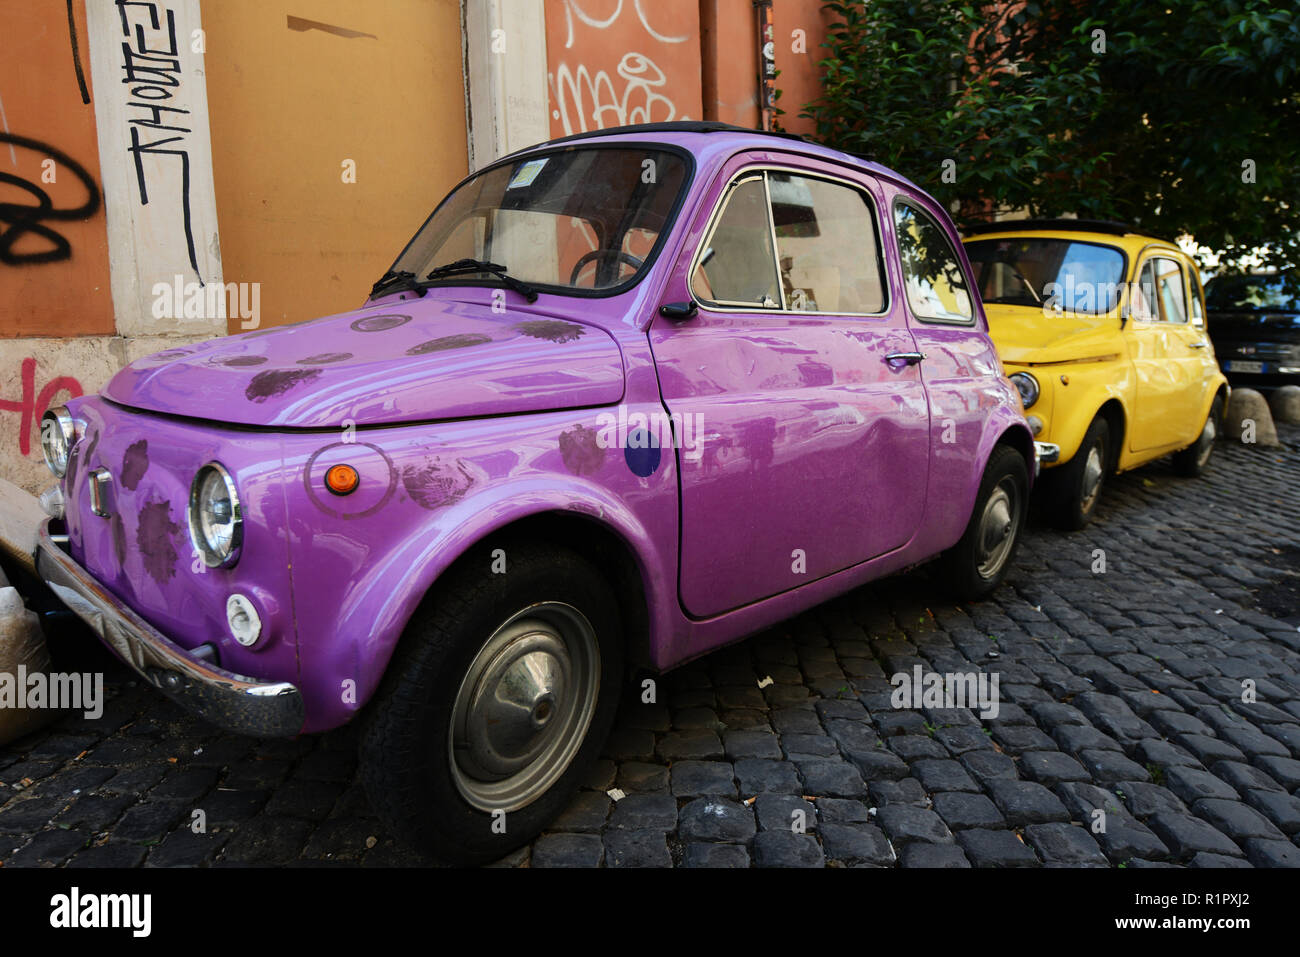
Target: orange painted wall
pixel 615 62
pixel 379 84
pixel 730 61
pixel 68 294
pixel 799 79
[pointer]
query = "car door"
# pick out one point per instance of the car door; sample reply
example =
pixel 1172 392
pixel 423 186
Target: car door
pixel 960 362
pixel 1163 359
pixel 1197 352
pixel 814 450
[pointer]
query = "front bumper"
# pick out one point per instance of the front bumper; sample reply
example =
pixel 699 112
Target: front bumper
pixel 234 702
pixel 1046 452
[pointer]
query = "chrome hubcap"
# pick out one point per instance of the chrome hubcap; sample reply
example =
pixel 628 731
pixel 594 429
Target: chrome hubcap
pixel 1208 435
pixel 997 529
pixel 524 707
pixel 1093 469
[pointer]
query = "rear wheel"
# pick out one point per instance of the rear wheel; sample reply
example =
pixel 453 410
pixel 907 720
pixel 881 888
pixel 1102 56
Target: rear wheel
pixel 978 562
pixel 1074 488
pixel 497 702
pixel 1192 460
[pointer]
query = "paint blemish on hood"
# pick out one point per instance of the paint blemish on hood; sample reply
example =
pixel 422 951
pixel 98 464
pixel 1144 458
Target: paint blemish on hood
pixel 448 342
pixel 135 462
pixel 436 483
pixel 277 382
pixel 380 323
pixel 581 451
pixel 154 536
pixel 552 330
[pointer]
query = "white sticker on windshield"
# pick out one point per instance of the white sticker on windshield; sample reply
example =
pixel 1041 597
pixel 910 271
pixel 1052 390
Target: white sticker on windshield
pixel 525 175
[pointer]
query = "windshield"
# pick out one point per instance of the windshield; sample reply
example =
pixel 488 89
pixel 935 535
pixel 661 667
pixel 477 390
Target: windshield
pixel 579 218
pixel 1253 293
pixel 1063 274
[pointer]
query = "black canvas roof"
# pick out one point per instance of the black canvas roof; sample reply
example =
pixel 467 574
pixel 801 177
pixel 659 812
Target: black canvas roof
pixel 1075 225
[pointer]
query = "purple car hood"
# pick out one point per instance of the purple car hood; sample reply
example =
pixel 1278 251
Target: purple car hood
pixel 402 361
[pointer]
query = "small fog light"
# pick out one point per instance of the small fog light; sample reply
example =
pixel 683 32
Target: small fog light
pixel 1035 424
pixel 245 624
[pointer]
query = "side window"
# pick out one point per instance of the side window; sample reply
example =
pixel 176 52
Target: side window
pixel 936 288
pixel 1144 293
pixel 738 266
pixel 1171 289
pixel 827 246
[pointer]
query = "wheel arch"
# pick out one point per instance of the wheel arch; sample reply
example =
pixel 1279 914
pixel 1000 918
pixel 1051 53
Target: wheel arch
pixel 606 547
pixel 1022 440
pixel 597 526
pixel 1113 411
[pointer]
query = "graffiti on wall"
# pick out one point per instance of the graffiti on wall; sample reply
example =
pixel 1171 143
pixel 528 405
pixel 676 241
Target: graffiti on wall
pixel 54 271
pixel 612 62
pixel 32 405
pixel 21 223
pixel 151 68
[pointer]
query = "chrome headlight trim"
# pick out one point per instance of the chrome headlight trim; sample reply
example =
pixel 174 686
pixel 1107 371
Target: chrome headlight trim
pixel 58 436
pixel 219 554
pixel 1027 386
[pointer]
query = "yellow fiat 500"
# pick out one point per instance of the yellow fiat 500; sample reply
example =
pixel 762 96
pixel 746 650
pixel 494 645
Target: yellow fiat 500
pixel 1103 332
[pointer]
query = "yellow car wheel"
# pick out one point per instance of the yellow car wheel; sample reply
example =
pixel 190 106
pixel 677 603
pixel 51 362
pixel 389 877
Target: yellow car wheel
pixel 1192 460
pixel 1075 487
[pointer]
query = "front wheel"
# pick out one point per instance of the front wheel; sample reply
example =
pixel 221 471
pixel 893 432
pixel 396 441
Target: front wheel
pixel 978 562
pixel 1073 489
pixel 495 705
pixel 1192 460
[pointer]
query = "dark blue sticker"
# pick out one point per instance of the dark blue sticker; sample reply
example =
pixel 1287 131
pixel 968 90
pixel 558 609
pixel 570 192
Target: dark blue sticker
pixel 642 452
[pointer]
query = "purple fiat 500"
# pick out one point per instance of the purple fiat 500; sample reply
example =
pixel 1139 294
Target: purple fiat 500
pixel 626 397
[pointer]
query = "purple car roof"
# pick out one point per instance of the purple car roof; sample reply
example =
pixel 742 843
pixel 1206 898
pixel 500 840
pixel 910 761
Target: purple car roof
pixel 707 140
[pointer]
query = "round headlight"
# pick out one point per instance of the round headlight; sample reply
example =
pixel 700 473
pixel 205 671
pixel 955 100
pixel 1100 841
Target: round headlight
pixel 58 434
pixel 1027 385
pixel 216 524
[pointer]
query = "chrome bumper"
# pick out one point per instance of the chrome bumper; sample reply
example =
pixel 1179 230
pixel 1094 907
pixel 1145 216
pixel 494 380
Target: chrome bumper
pixel 1046 452
pixel 234 702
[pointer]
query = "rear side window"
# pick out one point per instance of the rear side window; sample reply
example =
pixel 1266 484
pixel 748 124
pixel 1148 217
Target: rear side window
pixel 1197 300
pixel 936 288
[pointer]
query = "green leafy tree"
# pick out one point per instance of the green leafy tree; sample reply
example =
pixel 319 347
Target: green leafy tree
pixel 1178 116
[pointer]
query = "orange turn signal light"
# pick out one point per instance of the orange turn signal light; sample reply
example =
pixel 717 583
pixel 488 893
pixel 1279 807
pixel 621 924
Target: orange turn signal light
pixel 342 479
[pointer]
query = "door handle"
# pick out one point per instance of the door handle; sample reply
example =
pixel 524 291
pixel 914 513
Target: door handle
pixel 1198 345
pixel 908 358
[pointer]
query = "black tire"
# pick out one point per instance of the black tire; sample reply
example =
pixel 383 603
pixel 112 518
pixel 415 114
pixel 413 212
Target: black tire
pixel 1192 460
pixel 406 755
pixel 1074 489
pixel 971 572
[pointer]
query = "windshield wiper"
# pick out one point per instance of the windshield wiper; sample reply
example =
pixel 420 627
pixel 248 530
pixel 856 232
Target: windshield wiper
pixel 463 267
pixel 402 277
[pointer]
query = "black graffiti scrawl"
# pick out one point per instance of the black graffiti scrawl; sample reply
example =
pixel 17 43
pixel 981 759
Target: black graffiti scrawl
pixel 19 221
pixel 151 70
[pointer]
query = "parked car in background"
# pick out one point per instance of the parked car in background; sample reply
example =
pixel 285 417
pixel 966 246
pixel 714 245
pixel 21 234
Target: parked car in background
pixel 1255 326
pixel 626 397
pixel 1103 331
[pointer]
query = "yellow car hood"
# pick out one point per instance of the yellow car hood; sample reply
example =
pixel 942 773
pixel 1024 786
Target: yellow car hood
pixel 1024 335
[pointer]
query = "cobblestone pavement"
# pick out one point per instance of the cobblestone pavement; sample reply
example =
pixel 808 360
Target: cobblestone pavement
pixel 1121 692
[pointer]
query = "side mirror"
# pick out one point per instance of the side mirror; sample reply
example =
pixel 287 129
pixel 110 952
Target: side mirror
pixel 678 311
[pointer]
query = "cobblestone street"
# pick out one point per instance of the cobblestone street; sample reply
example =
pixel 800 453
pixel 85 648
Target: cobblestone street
pixel 1121 691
